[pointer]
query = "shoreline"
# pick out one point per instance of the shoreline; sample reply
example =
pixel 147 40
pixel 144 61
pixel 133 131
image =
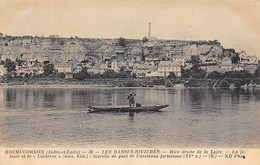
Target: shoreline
pixel 114 87
pixel 82 86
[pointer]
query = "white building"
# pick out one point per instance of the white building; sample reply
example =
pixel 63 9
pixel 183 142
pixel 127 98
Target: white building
pixel 115 66
pixel 151 60
pixel 247 60
pixel 2 70
pixel 178 60
pixel 154 73
pixel 141 70
pixel 166 67
pixel 238 68
pixel 64 69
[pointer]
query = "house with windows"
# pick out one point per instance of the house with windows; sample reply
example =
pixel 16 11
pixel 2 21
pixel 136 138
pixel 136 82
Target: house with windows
pixel 166 67
pixel 178 59
pixel 210 65
pixel 141 70
pixel 115 66
pixel 247 60
pixel 225 66
pixel 152 60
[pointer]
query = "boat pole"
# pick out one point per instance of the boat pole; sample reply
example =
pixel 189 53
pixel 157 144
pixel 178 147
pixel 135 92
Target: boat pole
pixel 127 101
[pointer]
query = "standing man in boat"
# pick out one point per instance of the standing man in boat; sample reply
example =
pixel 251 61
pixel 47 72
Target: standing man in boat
pixel 131 99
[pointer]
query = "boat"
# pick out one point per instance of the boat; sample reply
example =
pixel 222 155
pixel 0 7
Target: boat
pixel 126 108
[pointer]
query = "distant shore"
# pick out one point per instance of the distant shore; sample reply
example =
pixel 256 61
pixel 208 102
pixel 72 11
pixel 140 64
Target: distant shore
pixel 234 80
pixel 80 86
pixel 177 86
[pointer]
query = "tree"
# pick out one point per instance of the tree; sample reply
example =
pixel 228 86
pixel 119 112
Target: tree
pixel 237 84
pixel 238 74
pixel 48 69
pixel 195 60
pixel 82 74
pixel 198 74
pixel 185 73
pixel 124 73
pixel 224 83
pixel 121 42
pixel 145 39
pixel 214 75
pixel 235 59
pixel 109 74
pixel 122 69
pixel 172 75
pixel 195 70
pixel 61 42
pixel 61 75
pixel 257 72
pixel 10 65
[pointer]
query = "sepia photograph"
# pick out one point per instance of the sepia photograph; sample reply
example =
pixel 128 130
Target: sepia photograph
pixel 148 79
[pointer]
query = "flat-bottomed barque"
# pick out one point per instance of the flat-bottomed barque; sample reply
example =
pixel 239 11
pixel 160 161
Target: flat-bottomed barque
pixel 126 108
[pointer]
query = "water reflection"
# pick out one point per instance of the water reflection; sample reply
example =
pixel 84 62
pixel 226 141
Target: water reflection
pixel 195 117
pixel 195 100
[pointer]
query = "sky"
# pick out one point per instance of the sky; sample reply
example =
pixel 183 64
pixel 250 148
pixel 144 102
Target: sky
pixel 235 23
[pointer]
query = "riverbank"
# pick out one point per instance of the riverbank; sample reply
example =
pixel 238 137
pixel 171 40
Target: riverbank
pixel 113 87
pixel 131 82
pixel 82 86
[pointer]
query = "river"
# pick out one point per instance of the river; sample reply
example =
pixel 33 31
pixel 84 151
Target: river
pixel 196 117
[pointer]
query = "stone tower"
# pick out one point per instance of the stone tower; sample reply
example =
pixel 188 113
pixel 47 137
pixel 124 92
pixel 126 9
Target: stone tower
pixel 149 31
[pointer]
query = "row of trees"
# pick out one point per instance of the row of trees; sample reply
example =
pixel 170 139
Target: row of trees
pixel 191 73
pixel 84 74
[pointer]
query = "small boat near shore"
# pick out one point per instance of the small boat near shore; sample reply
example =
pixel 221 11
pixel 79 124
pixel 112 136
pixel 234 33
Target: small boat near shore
pixel 126 108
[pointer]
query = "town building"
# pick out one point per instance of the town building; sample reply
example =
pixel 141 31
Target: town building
pixel 178 59
pixel 114 66
pixel 2 70
pixel 225 66
pixel 142 69
pixel 247 60
pixel 64 69
pixel 210 65
pixel 166 67
pixel 152 60
pixel 238 68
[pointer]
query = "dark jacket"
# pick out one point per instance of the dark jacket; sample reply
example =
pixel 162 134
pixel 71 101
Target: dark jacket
pixel 131 98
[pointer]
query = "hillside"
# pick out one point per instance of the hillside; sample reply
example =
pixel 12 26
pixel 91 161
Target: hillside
pixel 61 50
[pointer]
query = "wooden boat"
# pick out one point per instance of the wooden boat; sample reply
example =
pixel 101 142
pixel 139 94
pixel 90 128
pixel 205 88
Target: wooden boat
pixel 126 108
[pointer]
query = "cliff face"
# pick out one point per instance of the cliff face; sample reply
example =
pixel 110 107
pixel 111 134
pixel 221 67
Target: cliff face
pixel 186 49
pixel 62 50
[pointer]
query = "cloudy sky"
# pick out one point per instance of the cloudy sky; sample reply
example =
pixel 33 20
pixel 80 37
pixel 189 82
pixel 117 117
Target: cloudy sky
pixel 235 23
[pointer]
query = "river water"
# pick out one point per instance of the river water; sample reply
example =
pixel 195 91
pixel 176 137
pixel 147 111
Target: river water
pixel 198 117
